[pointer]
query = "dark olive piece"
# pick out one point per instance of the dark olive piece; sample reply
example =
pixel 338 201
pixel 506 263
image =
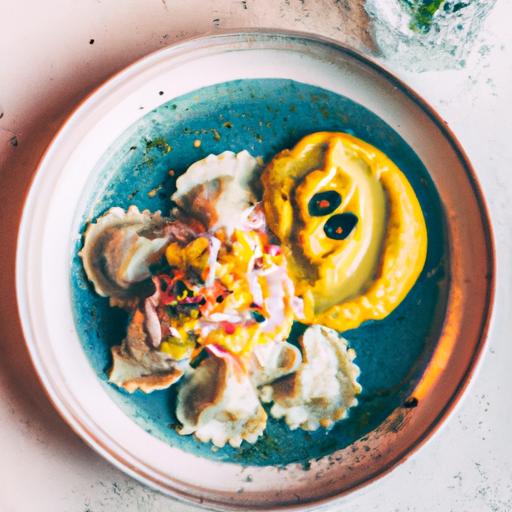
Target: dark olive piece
pixel 338 227
pixel 324 203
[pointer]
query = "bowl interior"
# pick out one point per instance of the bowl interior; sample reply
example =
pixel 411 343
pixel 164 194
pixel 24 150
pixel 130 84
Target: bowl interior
pixel 263 116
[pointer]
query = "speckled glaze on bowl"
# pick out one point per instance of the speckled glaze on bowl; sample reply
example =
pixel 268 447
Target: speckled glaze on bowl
pixel 261 92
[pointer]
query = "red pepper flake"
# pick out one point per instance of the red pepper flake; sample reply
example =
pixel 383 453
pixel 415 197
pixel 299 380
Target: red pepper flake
pixel 165 282
pixel 168 300
pixel 166 288
pixel 229 328
pixel 273 250
pixel 258 263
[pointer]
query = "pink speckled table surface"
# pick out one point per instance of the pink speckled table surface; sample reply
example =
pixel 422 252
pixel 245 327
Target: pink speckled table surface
pixel 52 54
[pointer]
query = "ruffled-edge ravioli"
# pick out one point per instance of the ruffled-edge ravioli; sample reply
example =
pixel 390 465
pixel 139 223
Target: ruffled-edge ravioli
pixel 120 246
pixel 379 261
pixel 273 360
pixel 218 403
pixel 323 388
pixel 218 189
pixel 137 365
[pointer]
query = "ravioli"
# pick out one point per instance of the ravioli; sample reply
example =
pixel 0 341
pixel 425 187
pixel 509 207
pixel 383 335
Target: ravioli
pixel 218 189
pixel 322 389
pixel 218 403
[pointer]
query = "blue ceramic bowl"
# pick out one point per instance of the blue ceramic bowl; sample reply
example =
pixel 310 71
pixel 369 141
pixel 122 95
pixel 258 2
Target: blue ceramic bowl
pixel 265 116
pixel 260 91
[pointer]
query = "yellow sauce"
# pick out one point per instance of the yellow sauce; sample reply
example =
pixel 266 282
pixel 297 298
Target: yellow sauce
pixel 367 274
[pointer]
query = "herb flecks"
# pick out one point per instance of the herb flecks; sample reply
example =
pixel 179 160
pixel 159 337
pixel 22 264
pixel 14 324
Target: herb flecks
pixel 159 143
pixel 264 448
